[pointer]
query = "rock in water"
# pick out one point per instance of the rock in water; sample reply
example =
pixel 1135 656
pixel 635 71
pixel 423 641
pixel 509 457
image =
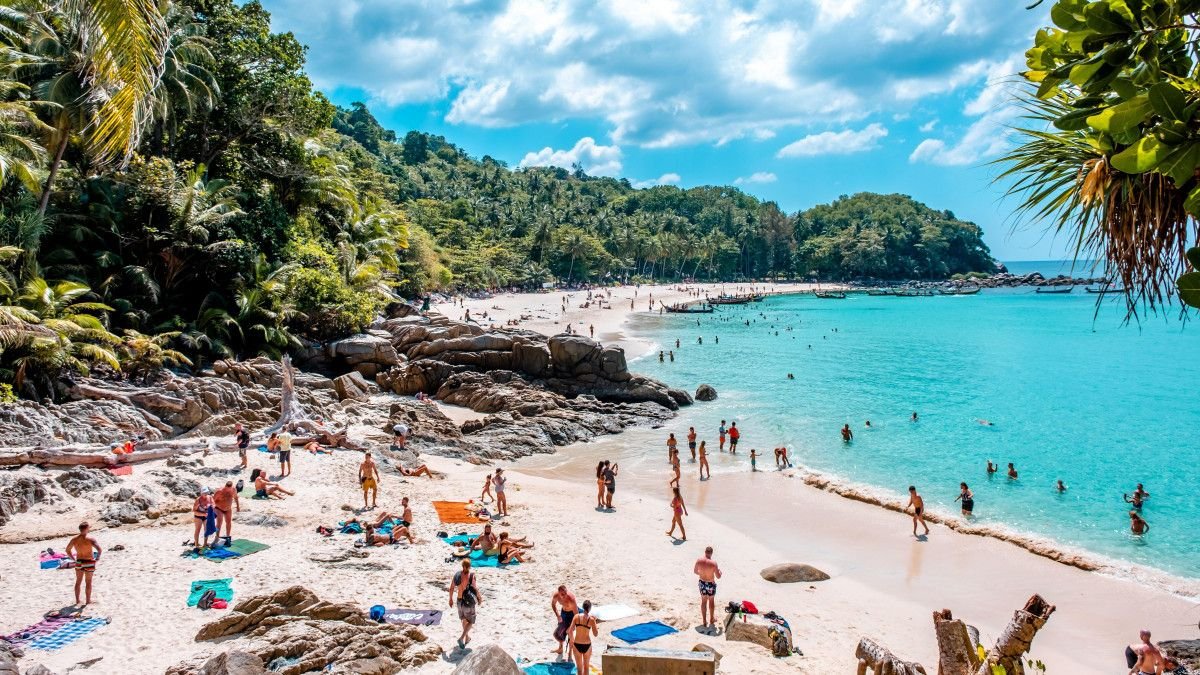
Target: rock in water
pixel 705 392
pixel 488 660
pixel 790 573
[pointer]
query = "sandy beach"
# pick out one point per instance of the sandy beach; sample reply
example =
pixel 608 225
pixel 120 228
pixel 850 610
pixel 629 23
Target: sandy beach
pixel 884 584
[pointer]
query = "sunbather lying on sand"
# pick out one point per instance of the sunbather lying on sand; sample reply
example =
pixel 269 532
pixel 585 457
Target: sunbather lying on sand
pixel 264 488
pixel 422 470
pixel 399 532
pixel 317 449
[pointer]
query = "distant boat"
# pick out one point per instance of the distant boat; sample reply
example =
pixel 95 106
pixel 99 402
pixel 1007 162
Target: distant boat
pixel 830 295
pixel 913 293
pixel 964 290
pixel 729 300
pixel 1053 290
pixel 1104 289
pixel 689 309
pixel 880 291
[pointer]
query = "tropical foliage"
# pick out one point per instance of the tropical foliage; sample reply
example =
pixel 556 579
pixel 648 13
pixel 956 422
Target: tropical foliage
pixel 173 191
pixel 1112 149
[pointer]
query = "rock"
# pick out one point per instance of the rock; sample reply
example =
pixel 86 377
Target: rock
pixel 38 669
pixel 18 493
pixel 260 519
pixel 701 647
pixel 531 358
pixel 81 480
pixel 488 660
pixel 352 386
pixel 1187 652
pixel 8 663
pixel 233 662
pixel 176 484
pixel 364 348
pixel 705 392
pixel 117 547
pixel 790 573
pixel 754 629
pixel 294 632
pixel 568 352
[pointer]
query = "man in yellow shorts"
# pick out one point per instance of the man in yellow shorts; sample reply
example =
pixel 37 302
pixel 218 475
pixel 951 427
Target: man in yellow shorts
pixel 368 476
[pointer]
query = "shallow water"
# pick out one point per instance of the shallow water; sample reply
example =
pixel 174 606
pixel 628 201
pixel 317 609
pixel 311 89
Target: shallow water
pixel 1098 404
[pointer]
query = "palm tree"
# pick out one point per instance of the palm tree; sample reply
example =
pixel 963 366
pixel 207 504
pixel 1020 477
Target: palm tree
pixel 79 338
pixel 187 85
pixel 21 157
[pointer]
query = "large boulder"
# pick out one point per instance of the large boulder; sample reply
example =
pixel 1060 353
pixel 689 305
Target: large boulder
pixel 18 493
pixel 352 386
pixel 569 352
pixel 234 662
pixel 531 358
pixel 364 348
pixel 80 480
pixel 706 392
pixel 612 364
pixel 791 573
pixel 488 660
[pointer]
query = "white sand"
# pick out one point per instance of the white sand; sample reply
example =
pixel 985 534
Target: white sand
pixel 885 585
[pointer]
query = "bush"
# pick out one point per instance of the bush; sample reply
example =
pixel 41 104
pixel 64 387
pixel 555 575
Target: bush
pixel 330 307
pixel 7 395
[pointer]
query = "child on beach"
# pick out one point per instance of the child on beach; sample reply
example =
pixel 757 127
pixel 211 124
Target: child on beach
pixel 753 459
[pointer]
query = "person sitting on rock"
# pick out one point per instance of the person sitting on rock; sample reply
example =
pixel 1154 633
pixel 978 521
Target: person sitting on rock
pixel 265 489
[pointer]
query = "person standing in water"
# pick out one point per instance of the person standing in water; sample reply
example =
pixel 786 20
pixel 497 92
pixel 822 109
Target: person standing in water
pixel 678 510
pixel 734 436
pixel 847 435
pixel 917 504
pixel 721 432
pixel 85 550
pixel 992 468
pixel 704 469
pixel 671 445
pixel 914 416
pixel 1139 497
pixel 1060 487
pixel 674 468
pixel 691 438
pixel 967 498
pixel 1137 524
pixel 708 572
pixel 1012 471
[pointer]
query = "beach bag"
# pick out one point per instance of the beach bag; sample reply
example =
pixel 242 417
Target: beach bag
pixel 206 600
pixel 240 485
pixel 469 596
pixel 748 607
pixel 377 613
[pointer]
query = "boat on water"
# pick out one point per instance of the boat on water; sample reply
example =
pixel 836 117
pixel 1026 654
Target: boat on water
pixel 964 290
pixel 880 291
pixel 1054 290
pixel 1104 289
pixel 729 300
pixel 830 295
pixel 702 308
pixel 913 293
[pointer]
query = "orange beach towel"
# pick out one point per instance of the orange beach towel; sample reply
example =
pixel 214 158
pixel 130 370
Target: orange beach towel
pixel 454 512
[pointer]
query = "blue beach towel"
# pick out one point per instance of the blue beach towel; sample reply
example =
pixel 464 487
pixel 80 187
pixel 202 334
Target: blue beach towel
pixel 222 587
pixel 210 522
pixel 550 668
pixel 69 633
pixel 216 554
pixel 478 558
pixel 643 631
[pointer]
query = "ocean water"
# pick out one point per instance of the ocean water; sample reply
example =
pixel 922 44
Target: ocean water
pixel 1053 268
pixel 1070 392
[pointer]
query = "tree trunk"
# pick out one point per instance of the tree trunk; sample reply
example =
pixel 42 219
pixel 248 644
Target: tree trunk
pixel 956 649
pixel 571 269
pixel 58 155
pixel 1015 639
pixel 875 656
pixel 97 456
pixel 291 411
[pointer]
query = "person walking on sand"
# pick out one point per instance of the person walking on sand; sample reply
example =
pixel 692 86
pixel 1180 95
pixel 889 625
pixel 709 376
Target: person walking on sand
pixel 734 435
pixel 1144 658
pixel 285 454
pixel 591 331
pixel 672 444
pixel 707 569
pixel 583 629
pixel 498 482
pixel 85 550
pixel 721 431
pixel 847 434
pixel 1137 524
pixel 242 437
pixel 486 494
pixel 692 441
pixel 468 598
pixel 967 498
pixel 674 468
pixel 200 509
pixel 678 510
pixel 562 606
pixel 225 500
pixel 368 478
pixel 704 469
pixel 610 483
pixel 917 504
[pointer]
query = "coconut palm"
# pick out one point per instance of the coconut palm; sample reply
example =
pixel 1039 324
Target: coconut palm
pixel 21 156
pixel 187 85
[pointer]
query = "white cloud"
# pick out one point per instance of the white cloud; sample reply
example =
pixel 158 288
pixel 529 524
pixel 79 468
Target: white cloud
pixel 480 103
pixel 928 126
pixel 596 160
pixel 665 179
pixel 986 137
pixel 843 142
pixel 756 177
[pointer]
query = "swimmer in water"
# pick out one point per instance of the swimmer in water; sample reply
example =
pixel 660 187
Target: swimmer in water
pixel 847 435
pixel 1012 471
pixel 791 376
pixel 914 416
pixel 1060 487
pixel 868 424
pixel 984 423
pixel 992 468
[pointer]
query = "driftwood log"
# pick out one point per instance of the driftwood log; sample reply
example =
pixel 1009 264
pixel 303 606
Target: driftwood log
pixel 99 456
pixel 875 656
pixel 1017 636
pixel 957 653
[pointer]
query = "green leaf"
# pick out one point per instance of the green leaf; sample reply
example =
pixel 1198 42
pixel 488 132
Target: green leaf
pixel 1189 288
pixel 1141 156
pixel 1076 120
pixel 1123 116
pixel 1048 86
pixel 1102 19
pixel 1065 18
pixel 1124 87
pixel 1168 101
pixel 1193 256
pixel 1192 206
pixel 1181 164
pixel 1083 72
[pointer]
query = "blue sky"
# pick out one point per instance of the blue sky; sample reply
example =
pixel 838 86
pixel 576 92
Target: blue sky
pixel 796 102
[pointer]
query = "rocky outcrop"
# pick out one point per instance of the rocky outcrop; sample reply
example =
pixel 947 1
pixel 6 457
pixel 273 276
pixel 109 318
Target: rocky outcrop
pixel 1187 652
pixel 293 632
pixel 81 480
pixel 352 386
pixel 234 662
pixel 18 493
pixel 791 573
pixel 706 392
pixel 488 660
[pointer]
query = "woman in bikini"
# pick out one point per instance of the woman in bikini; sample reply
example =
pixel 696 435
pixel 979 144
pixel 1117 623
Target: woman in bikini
pixel 200 509
pixel 600 484
pixel 509 552
pixel 679 511
pixel 583 628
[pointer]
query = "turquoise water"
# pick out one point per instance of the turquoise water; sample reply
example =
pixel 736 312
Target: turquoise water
pixel 1098 404
pixel 1053 268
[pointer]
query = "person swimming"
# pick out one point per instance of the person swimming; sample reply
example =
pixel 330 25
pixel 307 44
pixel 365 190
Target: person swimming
pixel 914 416
pixel 992 468
pixel 1012 471
pixel 1060 486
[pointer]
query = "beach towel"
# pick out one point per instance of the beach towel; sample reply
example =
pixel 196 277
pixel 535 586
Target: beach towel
pixel 121 470
pixel 455 512
pixel 478 558
pixel 52 561
pixel 66 634
pixel 210 522
pixel 222 587
pixel 613 612
pixel 243 547
pixel 643 631
pixel 555 668
pixel 43 627
pixel 213 554
pixel 413 617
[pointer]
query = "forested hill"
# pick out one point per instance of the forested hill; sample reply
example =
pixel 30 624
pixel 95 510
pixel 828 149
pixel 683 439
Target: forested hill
pixel 173 190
